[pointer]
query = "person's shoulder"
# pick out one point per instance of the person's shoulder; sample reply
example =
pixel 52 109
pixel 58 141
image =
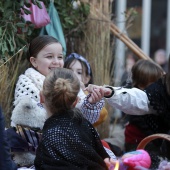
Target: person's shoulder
pixel 24 75
pixel 31 71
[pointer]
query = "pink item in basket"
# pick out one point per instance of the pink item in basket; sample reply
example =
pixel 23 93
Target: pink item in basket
pixel 138 158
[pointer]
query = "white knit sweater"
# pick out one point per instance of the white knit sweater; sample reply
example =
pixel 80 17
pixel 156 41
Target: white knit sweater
pixel 27 108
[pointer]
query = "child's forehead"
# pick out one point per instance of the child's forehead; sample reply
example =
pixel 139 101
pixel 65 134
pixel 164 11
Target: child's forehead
pixel 76 64
pixel 52 48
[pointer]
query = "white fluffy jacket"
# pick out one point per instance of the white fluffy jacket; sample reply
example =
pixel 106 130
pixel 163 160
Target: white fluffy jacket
pixel 27 108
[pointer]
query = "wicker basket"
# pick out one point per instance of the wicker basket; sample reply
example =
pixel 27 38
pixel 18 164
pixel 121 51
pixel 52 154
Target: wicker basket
pixel 148 139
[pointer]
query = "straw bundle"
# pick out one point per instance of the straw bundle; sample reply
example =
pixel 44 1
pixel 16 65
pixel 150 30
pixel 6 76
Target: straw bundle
pixel 96 48
pixel 97 39
pixel 8 76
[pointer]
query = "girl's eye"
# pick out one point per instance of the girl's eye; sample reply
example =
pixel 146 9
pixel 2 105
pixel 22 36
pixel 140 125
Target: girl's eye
pixel 60 57
pixel 49 56
pixel 79 72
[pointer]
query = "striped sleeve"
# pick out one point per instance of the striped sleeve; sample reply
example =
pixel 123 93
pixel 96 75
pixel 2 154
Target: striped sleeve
pixel 91 111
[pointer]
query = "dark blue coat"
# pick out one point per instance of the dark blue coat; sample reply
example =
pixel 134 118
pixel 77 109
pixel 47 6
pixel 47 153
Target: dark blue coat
pixel 6 162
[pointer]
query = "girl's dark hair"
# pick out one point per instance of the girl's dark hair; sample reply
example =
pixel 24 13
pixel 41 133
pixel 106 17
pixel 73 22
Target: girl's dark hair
pixel 72 58
pixel 38 43
pixel 145 72
pixel 60 89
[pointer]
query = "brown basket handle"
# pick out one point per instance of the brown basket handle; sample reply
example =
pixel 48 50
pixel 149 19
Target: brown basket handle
pixel 148 139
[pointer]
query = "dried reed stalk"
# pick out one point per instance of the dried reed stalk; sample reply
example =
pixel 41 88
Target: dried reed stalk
pixel 98 52
pixel 9 74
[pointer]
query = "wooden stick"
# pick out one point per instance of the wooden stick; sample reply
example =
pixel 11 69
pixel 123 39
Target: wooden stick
pixel 129 44
pixel 126 40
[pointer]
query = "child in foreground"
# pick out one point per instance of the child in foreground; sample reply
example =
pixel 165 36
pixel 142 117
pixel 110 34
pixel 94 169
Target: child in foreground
pixel 69 141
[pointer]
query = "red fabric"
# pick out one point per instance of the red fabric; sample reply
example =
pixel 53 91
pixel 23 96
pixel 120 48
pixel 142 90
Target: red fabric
pixel 133 135
pixel 105 144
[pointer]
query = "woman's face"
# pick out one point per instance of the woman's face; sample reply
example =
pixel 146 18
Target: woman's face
pixel 76 67
pixel 49 58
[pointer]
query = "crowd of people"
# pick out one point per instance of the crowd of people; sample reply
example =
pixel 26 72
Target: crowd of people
pixel 57 107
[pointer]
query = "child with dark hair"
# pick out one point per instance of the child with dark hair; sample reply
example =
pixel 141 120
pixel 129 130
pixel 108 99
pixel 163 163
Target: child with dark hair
pixel 69 141
pixel 81 67
pixel 144 73
pixel 153 103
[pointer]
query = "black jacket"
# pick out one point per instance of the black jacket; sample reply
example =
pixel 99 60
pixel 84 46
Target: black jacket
pixel 69 143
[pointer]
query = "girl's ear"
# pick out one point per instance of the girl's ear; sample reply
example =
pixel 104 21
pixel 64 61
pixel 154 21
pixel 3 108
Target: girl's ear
pixel 42 99
pixel 33 61
pixel 76 101
pixel 86 79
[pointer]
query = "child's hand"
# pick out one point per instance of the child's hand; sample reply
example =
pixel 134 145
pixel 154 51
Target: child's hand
pixel 110 163
pixel 104 92
pixel 96 94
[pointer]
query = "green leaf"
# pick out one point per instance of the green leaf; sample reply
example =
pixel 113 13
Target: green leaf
pixel 27 1
pixel 31 26
pixel 70 22
pixel 1 9
pixel 11 45
pixel 21 3
pixel 28 22
pixel 7 5
pixel 29 32
pixel 28 5
pixel 22 41
pixel 21 25
pixel 26 11
pixel 4 47
pixel 14 28
pixel 23 20
pixel 34 2
pixel 0 31
pixel 39 4
pixel 8 13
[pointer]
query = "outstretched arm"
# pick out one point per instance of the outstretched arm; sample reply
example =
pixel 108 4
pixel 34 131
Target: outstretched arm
pixel 90 105
pixel 131 101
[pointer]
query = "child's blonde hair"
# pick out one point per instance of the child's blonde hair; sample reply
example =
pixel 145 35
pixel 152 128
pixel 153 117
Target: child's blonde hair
pixel 60 90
